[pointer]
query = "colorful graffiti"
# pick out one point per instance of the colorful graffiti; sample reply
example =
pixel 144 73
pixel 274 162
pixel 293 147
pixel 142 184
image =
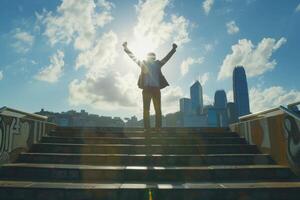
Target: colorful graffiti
pixel 17 135
pixel 292 135
pixel 275 133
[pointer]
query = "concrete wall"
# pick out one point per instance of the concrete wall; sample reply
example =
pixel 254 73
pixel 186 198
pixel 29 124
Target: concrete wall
pixel 275 133
pixel 17 134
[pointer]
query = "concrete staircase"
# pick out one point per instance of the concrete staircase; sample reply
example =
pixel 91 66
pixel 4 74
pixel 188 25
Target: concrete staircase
pixel 112 163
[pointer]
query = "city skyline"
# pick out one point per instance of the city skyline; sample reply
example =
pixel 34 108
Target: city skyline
pixel 59 56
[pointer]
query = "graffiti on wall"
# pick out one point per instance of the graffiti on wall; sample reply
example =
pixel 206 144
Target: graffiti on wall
pixel 17 135
pixel 259 133
pixel 255 132
pixel 292 135
pixel 277 135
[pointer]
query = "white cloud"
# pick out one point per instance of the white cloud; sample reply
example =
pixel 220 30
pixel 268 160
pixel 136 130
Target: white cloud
pixel 79 22
pixel 154 27
pixel 1 75
pixel 104 92
pixel 262 99
pixel 207 5
pixel 54 71
pixel 76 21
pixel 24 36
pixel 105 4
pixel 204 78
pixel 180 30
pixel 255 59
pixel 185 65
pixel 298 8
pixel 170 99
pixel 103 86
pixel 207 100
pixel 100 56
pixel 23 41
pixel 208 47
pixel 172 94
pixel 232 28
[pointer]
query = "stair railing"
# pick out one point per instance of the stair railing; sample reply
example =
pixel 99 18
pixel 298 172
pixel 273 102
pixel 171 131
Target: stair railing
pixel 290 112
pixel 291 124
pixel 16 113
pixel 19 130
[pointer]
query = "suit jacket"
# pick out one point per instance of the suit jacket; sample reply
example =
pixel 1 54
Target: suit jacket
pixel 162 80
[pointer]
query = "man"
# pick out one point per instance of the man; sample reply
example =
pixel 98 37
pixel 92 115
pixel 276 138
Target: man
pixel 151 80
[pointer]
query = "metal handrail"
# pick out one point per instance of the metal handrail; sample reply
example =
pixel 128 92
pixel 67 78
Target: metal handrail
pixel 294 104
pixel 258 113
pixel 289 112
pixel 255 115
pixel 23 113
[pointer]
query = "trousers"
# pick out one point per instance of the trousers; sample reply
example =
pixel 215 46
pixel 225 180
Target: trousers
pixel 152 93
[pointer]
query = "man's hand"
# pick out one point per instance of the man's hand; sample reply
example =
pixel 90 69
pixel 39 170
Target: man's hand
pixel 124 45
pixel 174 46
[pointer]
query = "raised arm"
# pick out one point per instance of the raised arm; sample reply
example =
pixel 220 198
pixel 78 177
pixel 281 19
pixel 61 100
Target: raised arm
pixel 131 55
pixel 169 55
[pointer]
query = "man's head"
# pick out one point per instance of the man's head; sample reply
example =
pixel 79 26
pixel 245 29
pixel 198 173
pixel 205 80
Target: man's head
pixel 151 56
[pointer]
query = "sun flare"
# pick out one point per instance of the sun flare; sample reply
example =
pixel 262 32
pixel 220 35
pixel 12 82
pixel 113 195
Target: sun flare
pixel 141 46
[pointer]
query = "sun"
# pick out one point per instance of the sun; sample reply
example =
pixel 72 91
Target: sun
pixel 141 46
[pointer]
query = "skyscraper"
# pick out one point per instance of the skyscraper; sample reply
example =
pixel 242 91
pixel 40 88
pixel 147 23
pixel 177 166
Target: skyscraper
pixel 240 91
pixel 231 113
pixel 220 106
pixel 220 99
pixel 196 98
pixel 185 106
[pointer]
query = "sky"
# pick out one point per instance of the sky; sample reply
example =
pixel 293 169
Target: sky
pixel 67 54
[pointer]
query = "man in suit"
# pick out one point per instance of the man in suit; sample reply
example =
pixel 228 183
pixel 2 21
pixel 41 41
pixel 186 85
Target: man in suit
pixel 151 81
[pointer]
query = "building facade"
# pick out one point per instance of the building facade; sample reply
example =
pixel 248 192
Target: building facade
pixel 240 91
pixel 220 99
pixel 185 106
pixel 196 93
pixel 231 113
pixel 220 108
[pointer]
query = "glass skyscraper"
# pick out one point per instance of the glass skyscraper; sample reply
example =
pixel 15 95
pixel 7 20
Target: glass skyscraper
pixel 185 106
pixel 220 99
pixel 231 113
pixel 240 91
pixel 196 97
pixel 220 106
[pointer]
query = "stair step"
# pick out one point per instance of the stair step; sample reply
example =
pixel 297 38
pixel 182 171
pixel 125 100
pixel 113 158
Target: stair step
pixel 12 190
pixel 144 149
pixel 89 173
pixel 140 134
pixel 143 140
pixel 161 160
pixel 130 130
